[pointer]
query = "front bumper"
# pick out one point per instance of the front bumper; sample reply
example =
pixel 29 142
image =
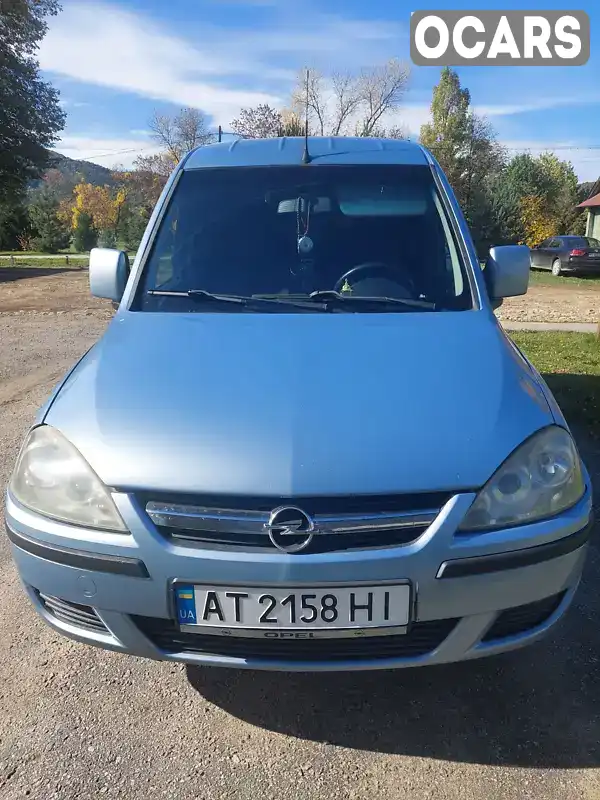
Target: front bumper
pixel 463 586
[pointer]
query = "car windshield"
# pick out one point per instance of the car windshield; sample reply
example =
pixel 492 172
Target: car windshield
pixel 305 239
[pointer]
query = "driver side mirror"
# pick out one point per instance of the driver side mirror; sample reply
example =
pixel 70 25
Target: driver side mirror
pixel 109 271
pixel 507 271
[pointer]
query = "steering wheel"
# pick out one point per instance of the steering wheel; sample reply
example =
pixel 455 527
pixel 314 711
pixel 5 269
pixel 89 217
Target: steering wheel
pixel 376 269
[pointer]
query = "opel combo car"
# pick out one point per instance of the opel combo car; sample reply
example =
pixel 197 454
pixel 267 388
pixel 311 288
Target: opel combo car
pixel 304 441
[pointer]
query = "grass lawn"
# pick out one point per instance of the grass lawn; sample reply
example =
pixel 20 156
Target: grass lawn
pixel 76 262
pixel 570 364
pixel 540 277
pixel 33 253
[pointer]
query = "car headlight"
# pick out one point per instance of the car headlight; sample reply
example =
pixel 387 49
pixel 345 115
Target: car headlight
pixel 52 478
pixel 539 480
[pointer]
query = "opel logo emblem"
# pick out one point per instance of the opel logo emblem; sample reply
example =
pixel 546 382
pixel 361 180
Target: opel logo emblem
pixel 290 529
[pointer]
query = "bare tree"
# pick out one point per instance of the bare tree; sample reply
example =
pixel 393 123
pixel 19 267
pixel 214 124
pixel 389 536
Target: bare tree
pixel 160 164
pixel 381 90
pixel 395 132
pixel 309 100
pixel 261 122
pixel 347 99
pixel 350 103
pixel 292 125
pixel 146 181
pixel 181 133
pixel 265 122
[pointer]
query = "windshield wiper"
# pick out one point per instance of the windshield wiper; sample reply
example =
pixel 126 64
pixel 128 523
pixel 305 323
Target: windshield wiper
pixel 202 295
pixel 329 295
pixel 198 294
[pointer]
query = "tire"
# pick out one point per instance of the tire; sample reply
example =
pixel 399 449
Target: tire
pixel 556 268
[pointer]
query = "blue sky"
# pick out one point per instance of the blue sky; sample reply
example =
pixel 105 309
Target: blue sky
pixel 116 61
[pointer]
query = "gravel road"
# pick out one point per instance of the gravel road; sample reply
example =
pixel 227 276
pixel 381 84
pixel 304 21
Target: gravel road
pixel 76 722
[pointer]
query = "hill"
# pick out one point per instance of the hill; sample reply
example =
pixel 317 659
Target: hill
pixel 69 171
pixel 73 169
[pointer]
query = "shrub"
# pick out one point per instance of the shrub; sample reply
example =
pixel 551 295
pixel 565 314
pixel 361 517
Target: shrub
pixel 51 234
pixel 85 236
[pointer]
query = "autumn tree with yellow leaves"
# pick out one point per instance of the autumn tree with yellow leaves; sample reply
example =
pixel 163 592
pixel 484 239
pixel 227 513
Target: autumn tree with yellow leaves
pixel 537 220
pixel 101 203
pixel 97 206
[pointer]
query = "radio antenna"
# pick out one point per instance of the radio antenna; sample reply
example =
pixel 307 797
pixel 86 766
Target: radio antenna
pixel 306 159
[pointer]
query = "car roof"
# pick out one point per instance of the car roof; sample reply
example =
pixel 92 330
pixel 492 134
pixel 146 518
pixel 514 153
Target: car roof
pixel 289 151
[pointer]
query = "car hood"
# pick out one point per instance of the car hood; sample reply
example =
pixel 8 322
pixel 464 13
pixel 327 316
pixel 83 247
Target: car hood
pixel 299 404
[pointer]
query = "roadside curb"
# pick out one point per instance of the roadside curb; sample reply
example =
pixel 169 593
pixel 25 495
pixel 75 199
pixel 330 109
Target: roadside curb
pixel 575 327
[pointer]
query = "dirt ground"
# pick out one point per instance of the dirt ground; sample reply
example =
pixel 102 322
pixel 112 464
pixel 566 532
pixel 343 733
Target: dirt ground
pixel 553 304
pixel 29 289
pixel 77 723
pixel 41 289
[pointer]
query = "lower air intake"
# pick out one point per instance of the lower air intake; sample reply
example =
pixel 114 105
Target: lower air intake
pixel 421 639
pixel 525 618
pixel 73 613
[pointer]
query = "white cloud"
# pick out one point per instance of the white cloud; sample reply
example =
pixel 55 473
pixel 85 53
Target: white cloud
pixel 101 43
pixel 410 116
pixel 540 104
pixel 413 115
pixel 585 159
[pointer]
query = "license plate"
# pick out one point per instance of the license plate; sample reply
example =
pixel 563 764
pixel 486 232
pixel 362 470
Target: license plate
pixel 332 608
pixel 594 255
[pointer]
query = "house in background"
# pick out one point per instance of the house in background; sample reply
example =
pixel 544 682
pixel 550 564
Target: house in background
pixel 592 205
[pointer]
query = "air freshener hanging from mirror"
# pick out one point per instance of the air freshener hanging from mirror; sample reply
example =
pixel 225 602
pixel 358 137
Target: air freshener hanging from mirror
pixel 305 245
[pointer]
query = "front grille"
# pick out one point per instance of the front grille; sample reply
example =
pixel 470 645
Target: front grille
pixel 312 504
pixel 422 638
pixel 73 613
pixel 525 618
pixel 345 523
pixel 322 543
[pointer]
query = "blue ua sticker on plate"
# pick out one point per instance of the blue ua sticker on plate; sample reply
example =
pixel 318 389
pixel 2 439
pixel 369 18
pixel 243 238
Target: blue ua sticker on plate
pixel 186 605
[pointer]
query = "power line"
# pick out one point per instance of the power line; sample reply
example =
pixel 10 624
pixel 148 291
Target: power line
pixel 120 152
pixel 542 146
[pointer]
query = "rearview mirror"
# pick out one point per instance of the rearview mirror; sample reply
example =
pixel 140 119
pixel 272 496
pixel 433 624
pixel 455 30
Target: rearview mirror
pixel 507 271
pixel 109 271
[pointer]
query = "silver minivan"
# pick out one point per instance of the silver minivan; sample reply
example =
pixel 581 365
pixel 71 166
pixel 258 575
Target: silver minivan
pixel 304 441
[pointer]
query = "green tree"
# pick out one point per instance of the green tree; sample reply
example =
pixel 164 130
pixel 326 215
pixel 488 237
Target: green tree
pixel 132 226
pixel 51 233
pixel 30 116
pixel 85 235
pixel 563 197
pixel 107 238
pixel 537 197
pixel 14 225
pixel 466 148
pixel 447 135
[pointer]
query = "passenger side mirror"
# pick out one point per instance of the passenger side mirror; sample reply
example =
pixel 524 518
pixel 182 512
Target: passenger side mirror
pixel 507 271
pixel 109 271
